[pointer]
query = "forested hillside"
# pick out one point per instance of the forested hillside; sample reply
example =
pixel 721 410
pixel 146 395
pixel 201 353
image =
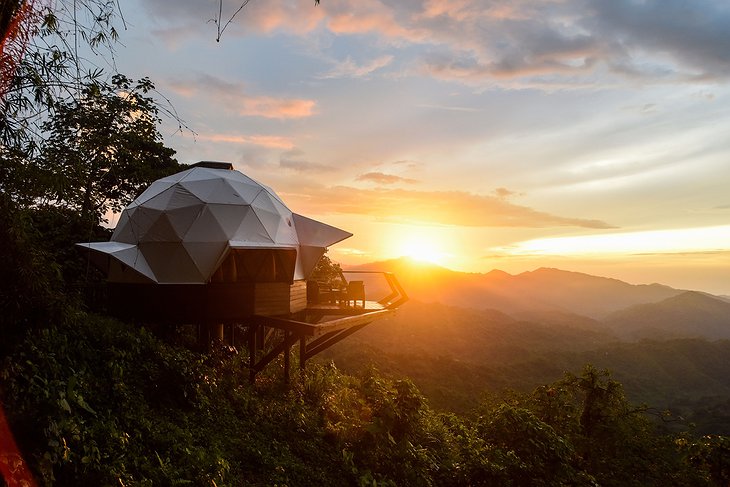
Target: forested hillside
pixel 455 355
pixel 98 402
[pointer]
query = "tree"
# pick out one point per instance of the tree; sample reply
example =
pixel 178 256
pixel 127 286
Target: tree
pixel 328 272
pixel 614 442
pixel 104 148
pixel 52 64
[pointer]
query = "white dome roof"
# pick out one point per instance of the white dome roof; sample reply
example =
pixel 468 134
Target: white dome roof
pixel 181 227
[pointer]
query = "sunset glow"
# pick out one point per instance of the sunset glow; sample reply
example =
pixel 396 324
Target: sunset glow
pixel 424 252
pixel 709 239
pixel 586 137
pixel 421 243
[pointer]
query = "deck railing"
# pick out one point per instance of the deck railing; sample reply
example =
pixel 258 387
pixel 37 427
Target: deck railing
pixel 381 286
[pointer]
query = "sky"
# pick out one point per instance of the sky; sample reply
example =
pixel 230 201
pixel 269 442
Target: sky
pixel 587 135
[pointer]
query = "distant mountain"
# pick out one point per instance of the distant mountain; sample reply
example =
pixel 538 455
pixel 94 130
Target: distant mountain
pixel 689 314
pixel 478 335
pixel 544 289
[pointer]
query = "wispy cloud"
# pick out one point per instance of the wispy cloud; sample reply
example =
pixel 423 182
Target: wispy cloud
pixel 270 107
pixel 294 160
pixel 450 108
pixel 234 97
pixel 349 69
pixel 270 141
pixel 383 178
pixel 504 193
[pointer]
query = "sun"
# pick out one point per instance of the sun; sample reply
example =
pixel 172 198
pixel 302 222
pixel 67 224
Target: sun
pixel 423 251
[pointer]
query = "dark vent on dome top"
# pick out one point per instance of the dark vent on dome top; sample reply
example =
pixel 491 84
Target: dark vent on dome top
pixel 214 165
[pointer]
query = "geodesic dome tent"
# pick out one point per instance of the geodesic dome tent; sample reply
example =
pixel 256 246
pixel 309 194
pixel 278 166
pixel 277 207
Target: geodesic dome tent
pixel 211 223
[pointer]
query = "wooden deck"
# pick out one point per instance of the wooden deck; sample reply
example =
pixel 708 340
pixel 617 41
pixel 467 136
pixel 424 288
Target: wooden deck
pixel 325 326
pixel 323 318
pixel 317 327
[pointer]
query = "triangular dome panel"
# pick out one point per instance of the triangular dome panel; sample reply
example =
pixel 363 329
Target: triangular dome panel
pixel 133 258
pixel 171 263
pixel 247 190
pixel 142 220
pixel 182 218
pixel 213 191
pixel 229 217
pixel 205 228
pixel 307 260
pixel 161 200
pixel 172 198
pixel 123 231
pixel 156 188
pixel 206 256
pixel 268 213
pixel 252 230
pixel 161 231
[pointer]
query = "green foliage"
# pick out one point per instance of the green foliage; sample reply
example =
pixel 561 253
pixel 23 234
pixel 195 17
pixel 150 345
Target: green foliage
pixel 534 453
pixel 601 434
pixel 103 148
pixel 59 230
pixel 97 402
pixel 30 281
pixel 328 272
pixel 58 59
pixel 711 455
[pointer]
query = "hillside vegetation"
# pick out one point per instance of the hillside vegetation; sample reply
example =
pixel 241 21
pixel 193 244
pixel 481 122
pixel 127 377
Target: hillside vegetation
pixel 97 402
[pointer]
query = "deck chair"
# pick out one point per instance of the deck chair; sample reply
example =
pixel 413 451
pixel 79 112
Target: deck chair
pixel 356 292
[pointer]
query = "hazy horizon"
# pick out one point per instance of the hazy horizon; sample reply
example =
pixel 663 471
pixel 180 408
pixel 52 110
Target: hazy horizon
pixel 615 275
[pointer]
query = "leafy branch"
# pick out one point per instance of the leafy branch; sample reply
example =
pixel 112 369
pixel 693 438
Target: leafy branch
pixel 218 20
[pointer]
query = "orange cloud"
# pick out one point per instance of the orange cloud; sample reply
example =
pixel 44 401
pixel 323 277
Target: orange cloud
pixel 271 141
pixel 439 207
pixel 363 17
pixel 292 17
pixel 270 107
pixel 232 96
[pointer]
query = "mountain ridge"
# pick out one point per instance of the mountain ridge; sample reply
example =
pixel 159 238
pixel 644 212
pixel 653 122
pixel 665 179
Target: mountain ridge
pixel 542 289
pixel 689 314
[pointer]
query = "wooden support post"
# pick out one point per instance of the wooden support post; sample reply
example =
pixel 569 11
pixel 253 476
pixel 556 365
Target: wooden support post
pixel 252 352
pixel 287 357
pixel 274 352
pixel 260 337
pixel 216 331
pixel 332 339
pixel 302 352
pixel 321 339
pixel 268 336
